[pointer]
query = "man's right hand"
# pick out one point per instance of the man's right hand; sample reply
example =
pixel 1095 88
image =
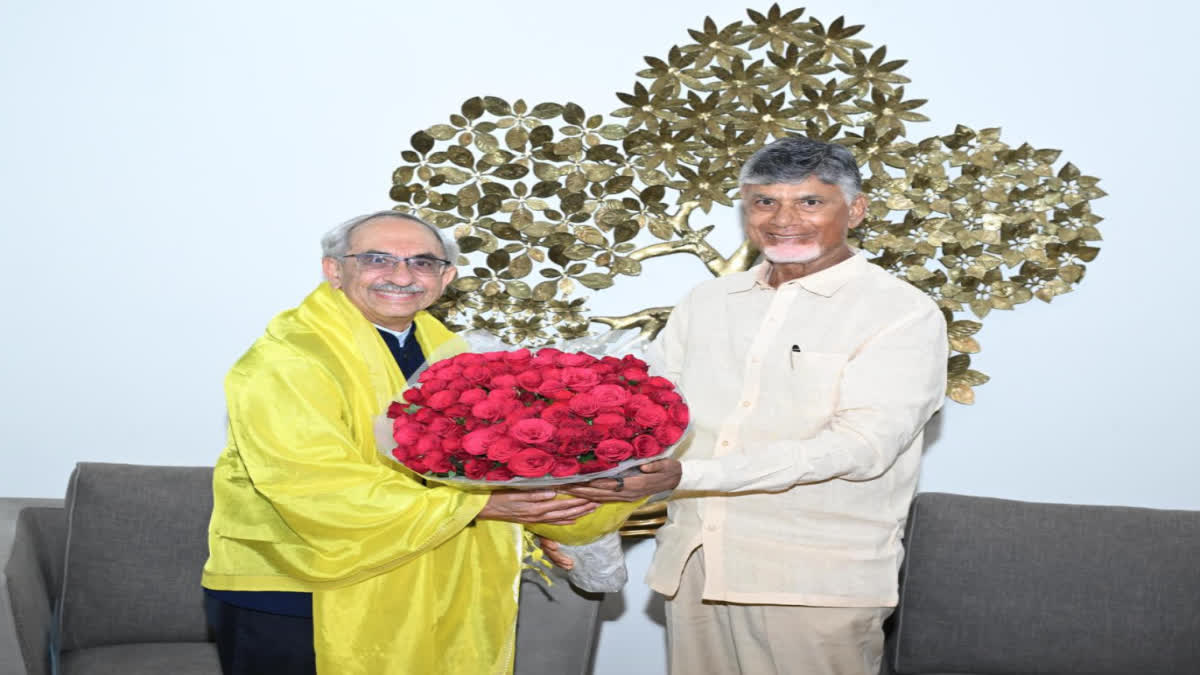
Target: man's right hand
pixel 540 506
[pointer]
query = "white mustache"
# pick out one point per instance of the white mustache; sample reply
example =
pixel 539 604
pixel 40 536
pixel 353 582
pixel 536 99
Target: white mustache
pixel 393 288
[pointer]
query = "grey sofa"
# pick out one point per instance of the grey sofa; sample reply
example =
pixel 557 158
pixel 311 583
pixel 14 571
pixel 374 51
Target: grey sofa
pixel 111 575
pixel 1000 587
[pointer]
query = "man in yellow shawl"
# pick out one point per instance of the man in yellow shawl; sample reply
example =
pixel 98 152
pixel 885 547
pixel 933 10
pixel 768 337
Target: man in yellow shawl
pixel 323 556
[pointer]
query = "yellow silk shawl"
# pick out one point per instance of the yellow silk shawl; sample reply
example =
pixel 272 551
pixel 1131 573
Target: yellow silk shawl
pixel 403 580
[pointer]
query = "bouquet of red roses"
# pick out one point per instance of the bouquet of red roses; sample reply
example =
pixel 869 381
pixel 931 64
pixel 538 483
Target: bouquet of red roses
pixel 517 417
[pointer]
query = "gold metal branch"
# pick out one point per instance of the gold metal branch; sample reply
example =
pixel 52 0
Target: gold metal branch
pixel 648 321
pixel 693 241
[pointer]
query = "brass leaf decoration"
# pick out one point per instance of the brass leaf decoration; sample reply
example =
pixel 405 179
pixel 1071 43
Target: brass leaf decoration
pixel 550 201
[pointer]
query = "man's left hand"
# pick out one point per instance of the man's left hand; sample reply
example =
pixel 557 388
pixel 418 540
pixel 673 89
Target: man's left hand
pixel 657 476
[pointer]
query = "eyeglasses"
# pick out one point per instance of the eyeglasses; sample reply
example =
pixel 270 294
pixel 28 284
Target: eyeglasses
pixel 421 265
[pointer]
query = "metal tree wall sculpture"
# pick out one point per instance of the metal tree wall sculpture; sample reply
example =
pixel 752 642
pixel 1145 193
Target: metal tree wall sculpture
pixel 549 202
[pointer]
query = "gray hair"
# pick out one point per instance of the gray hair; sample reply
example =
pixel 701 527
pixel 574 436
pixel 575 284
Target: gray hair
pixel 336 242
pixel 793 159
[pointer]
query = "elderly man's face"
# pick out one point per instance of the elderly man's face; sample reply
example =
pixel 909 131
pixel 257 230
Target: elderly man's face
pixel 390 298
pixel 800 224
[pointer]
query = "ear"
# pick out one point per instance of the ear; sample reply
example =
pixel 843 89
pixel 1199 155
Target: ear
pixel 858 210
pixel 450 274
pixel 333 271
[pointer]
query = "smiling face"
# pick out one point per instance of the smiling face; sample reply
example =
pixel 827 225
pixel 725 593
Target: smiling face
pixel 800 227
pixel 389 298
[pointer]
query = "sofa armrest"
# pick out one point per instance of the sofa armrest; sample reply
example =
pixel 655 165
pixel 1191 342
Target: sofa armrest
pixel 31 546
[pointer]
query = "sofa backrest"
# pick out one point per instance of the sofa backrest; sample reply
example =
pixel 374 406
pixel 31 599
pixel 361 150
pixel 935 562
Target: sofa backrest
pixel 998 586
pixel 136 544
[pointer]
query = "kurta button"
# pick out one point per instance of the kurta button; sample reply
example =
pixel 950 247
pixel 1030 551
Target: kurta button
pixel 745 404
pixel 725 443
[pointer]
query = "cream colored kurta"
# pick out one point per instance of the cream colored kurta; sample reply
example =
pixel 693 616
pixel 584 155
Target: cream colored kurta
pixel 808 403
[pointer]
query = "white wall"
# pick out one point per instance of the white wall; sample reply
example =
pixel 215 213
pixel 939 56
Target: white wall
pixel 166 170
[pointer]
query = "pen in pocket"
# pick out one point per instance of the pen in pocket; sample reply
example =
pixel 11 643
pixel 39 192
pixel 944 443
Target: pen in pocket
pixel 792 355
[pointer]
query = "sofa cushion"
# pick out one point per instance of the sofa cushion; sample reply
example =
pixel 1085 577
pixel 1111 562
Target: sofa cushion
pixel 177 658
pixel 997 586
pixel 136 544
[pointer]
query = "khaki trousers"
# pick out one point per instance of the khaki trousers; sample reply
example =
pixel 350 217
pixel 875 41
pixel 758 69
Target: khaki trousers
pixel 721 638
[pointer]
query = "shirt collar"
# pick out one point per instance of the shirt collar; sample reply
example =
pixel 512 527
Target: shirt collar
pixel 401 335
pixel 824 283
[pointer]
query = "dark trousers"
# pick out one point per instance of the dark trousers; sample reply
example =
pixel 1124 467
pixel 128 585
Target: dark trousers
pixel 251 642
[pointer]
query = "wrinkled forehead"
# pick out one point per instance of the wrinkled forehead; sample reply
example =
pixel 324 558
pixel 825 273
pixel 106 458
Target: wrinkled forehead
pixel 395 235
pixel 810 186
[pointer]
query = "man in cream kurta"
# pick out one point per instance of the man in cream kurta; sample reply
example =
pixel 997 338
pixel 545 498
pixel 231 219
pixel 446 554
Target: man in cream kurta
pixel 810 378
pixel 324 556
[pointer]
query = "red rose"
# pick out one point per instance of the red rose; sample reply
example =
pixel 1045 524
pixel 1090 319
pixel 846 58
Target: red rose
pixel 442 400
pixel 401 454
pixel 596 465
pixel 428 443
pixel 634 375
pixel 452 443
pixel 531 463
pixel 667 434
pixel 680 414
pixel 517 356
pixel 502 395
pixel 518 413
pixel 477 442
pixel 650 415
pixel 579 379
pixel 564 466
pixel 637 401
pixel 407 434
pixel 576 360
pixel 442 426
pixel 646 446
pixel 457 410
pixel 498 474
pixel 476 468
pixel 414 395
pixel 549 387
pixel 425 416
pixel 584 405
pixel 532 431
pixel 502 449
pixel 488 410
pixel 613 450
pixel 594 434
pixel 417 464
pixel 557 413
pixel 665 396
pixel 573 448
pixel 504 381
pixel 623 431
pixel 438 462
pixel 434 386
pixel 529 379
pixel 472 396
pixel 568 431
pixel 608 420
pixel 659 383
pixel 396 409
pixel 610 395
pixel 477 374
pixel 469 359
